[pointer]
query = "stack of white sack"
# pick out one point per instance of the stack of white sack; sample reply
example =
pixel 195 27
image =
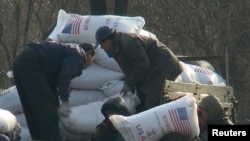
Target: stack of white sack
pixel 105 83
pixel 9 99
pixel 201 75
pixel 100 81
pixel 83 117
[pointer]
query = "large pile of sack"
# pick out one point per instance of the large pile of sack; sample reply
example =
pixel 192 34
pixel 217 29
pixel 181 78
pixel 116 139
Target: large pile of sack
pixel 100 81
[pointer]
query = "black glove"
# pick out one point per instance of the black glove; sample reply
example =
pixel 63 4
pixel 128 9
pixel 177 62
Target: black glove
pixel 110 133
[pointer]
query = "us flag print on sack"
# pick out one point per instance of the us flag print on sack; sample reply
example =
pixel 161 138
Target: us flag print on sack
pixel 180 120
pixel 203 70
pixel 179 116
pixel 73 24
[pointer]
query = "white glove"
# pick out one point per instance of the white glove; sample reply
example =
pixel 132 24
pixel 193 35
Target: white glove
pixel 16 133
pixel 125 90
pixel 64 110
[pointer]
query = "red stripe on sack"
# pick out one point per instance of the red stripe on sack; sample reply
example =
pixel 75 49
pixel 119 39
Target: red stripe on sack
pixel 75 26
pixel 175 120
pixel 203 71
pixel 181 126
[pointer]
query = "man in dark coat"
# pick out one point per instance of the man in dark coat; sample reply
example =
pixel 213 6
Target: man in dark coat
pixel 42 73
pixel 145 61
pixel 211 111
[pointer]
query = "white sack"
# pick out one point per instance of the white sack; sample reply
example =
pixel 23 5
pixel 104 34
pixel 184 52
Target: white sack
pixel 188 75
pixel 82 97
pixel 9 100
pixel 147 33
pixel 207 76
pixel 94 77
pixel 103 59
pixel 151 125
pixel 77 97
pixel 112 87
pixel 131 100
pixel 7 121
pixel 67 136
pixel 63 132
pixel 82 28
pixel 84 118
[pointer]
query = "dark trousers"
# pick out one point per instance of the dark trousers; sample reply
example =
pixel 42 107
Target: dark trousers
pixel 38 99
pixel 151 90
pixel 99 7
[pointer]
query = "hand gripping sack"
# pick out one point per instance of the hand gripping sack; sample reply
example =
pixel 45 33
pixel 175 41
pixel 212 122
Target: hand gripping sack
pixel 84 118
pixel 177 116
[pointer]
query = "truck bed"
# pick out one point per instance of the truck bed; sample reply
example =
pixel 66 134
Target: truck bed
pixel 224 93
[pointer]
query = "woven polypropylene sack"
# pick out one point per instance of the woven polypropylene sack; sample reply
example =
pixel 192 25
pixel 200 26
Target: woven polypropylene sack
pixel 73 27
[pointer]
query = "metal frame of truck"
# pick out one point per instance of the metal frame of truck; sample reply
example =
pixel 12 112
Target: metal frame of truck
pixel 225 93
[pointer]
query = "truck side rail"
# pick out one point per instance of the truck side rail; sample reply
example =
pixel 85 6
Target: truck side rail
pixel 225 93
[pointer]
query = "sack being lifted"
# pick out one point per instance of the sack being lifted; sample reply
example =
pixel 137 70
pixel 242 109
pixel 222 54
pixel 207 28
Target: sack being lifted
pixel 84 118
pixel 81 28
pixel 177 116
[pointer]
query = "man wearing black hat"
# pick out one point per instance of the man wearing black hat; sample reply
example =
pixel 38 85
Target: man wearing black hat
pixel 145 61
pixel 105 131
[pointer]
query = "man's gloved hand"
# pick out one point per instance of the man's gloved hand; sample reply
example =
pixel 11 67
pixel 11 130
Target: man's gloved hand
pixel 125 90
pixel 16 133
pixel 64 110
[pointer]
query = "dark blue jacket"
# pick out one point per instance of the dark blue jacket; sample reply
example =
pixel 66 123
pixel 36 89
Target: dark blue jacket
pixel 60 63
